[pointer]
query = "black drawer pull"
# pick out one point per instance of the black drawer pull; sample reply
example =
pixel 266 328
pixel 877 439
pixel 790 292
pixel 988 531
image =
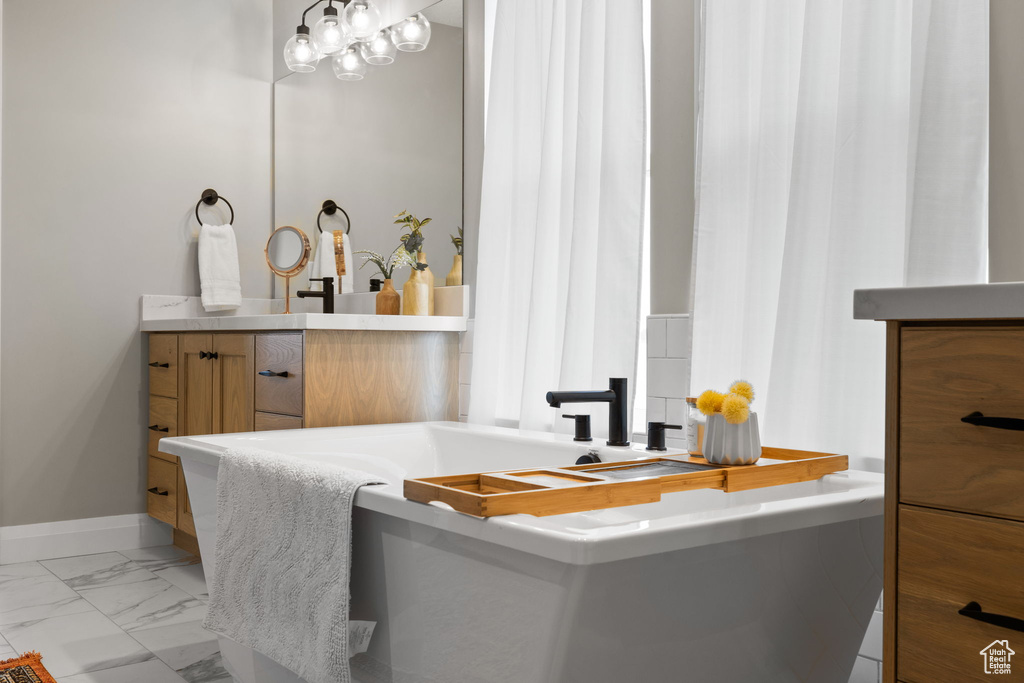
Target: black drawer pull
pixel 206 354
pixel 973 610
pixel 269 373
pixel 158 428
pixel 158 491
pixel 1012 423
pixel 154 364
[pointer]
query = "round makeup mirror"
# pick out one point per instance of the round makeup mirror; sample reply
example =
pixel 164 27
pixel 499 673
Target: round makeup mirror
pixel 287 254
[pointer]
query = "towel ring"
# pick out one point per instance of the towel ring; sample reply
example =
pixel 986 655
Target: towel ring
pixel 329 207
pixel 210 198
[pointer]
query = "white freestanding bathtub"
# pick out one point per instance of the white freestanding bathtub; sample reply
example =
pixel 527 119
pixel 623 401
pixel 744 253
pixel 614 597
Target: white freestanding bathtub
pixel 774 584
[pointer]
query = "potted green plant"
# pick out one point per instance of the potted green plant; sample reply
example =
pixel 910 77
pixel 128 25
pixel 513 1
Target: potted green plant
pixel 388 301
pixel 418 291
pixel 454 278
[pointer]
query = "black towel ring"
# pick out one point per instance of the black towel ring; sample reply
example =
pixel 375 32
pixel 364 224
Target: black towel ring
pixel 210 198
pixel 329 207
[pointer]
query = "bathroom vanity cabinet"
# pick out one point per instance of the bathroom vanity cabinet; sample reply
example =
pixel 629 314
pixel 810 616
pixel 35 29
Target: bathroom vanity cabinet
pixel 224 382
pixel 954 554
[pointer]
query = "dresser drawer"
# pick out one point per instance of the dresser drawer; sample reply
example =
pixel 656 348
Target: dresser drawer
pixel 266 422
pixel 163 365
pixel 162 491
pixel 947 374
pixel 947 560
pixel 279 373
pixel 163 421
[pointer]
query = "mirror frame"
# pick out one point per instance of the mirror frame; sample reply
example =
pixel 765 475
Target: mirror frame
pixel 294 270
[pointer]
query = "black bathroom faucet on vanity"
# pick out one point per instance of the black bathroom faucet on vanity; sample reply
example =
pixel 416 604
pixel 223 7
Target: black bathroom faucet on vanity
pixel 618 405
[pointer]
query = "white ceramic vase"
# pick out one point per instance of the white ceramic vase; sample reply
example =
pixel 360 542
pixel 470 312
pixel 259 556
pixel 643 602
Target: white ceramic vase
pixel 728 444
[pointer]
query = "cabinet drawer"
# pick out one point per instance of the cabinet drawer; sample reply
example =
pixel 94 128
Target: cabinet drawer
pixel 163 365
pixel 279 387
pixel 947 374
pixel 162 491
pixel 266 422
pixel 163 421
pixel 947 560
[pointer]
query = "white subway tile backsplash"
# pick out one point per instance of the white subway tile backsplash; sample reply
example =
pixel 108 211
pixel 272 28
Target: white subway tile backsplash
pixel 677 337
pixel 465 367
pixel 655 409
pixel 463 400
pixel 675 442
pixel 668 377
pixel 656 337
pixel 675 411
pixel 467 338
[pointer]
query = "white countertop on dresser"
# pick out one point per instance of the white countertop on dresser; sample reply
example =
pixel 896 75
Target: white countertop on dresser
pixel 354 312
pixel 311 321
pixel 1004 300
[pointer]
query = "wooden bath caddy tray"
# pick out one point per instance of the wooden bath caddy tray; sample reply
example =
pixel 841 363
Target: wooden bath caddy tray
pixel 578 488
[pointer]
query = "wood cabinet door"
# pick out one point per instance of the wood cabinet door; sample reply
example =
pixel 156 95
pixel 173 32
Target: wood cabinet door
pixel 233 383
pixel 197 394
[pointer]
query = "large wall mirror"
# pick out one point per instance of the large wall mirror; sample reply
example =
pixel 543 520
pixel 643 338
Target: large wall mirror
pixel 390 142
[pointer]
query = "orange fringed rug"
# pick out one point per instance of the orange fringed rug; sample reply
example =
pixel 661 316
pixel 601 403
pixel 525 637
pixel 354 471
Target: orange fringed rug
pixel 25 669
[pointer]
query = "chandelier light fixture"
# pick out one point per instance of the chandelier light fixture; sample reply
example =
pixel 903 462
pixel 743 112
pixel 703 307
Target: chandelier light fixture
pixel 353 38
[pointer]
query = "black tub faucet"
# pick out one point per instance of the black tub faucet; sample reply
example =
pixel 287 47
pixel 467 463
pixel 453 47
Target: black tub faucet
pixel 618 406
pixel 327 294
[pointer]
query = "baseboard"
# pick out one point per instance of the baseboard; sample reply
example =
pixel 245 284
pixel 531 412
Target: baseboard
pixel 49 540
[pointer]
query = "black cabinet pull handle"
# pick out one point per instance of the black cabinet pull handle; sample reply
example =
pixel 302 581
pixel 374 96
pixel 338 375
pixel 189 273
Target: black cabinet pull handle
pixel 154 364
pixel 206 354
pixel 158 428
pixel 973 610
pixel 158 491
pixel 1012 423
pixel 269 373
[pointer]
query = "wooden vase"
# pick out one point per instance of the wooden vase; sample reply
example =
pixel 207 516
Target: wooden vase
pixel 428 278
pixel 416 295
pixel 388 301
pixel 454 278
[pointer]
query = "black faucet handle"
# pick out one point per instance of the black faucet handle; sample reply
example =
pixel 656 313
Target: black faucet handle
pixel 327 280
pixel 582 427
pixel 656 435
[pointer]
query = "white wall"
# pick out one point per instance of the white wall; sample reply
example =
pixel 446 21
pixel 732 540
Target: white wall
pixel 117 116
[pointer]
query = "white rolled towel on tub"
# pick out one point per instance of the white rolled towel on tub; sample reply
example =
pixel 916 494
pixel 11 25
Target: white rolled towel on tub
pixel 219 279
pixel 283 558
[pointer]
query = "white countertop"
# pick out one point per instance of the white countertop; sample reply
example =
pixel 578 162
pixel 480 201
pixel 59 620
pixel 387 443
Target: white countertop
pixel 1003 300
pixel 354 312
pixel 311 321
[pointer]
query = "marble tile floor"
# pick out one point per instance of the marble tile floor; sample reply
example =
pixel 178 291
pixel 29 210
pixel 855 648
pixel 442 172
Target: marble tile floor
pixel 123 617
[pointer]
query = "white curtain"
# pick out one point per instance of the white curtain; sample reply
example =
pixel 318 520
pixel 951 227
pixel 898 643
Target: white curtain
pixel 561 209
pixel 842 145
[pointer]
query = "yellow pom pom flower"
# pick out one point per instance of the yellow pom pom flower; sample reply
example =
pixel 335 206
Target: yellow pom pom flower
pixel 735 409
pixel 710 402
pixel 743 388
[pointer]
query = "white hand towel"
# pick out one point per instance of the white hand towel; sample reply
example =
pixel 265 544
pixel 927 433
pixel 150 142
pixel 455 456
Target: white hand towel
pixel 326 264
pixel 218 268
pixel 281 579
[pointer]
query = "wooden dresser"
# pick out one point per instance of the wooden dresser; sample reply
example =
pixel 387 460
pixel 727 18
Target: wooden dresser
pixel 222 382
pixel 954 572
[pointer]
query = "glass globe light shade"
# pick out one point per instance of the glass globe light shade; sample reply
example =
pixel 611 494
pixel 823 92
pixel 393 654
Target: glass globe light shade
pixel 300 52
pixel 361 19
pixel 329 33
pixel 348 65
pixel 379 50
pixel 411 34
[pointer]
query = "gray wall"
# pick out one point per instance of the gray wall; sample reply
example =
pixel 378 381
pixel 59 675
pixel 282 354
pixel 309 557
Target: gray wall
pixel 118 115
pixel 473 137
pixel 672 153
pixel 390 142
pixel 1006 148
